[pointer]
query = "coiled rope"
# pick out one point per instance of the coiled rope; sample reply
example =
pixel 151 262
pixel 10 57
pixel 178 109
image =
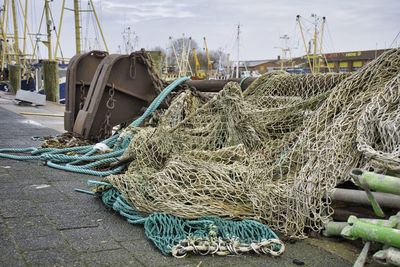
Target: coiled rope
pixel 112 147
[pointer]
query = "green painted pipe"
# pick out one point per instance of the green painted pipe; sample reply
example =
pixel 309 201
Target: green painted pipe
pixel 335 228
pixel 377 182
pixel 388 256
pixel 371 232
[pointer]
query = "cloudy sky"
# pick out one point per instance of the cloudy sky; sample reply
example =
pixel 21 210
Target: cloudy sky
pixel 351 24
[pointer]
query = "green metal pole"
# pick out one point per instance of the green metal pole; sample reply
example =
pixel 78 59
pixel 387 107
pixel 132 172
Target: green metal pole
pixel 50 80
pixel 335 228
pixel 377 182
pixel 371 232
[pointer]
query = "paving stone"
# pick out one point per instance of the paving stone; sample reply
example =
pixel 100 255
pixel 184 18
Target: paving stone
pixel 10 258
pixel 149 255
pixel 31 232
pixel 221 261
pixel 120 229
pixel 18 208
pixel 67 188
pixel 18 223
pixel 119 257
pixel 40 242
pixel 74 222
pixel 58 175
pixel 45 195
pixel 9 255
pixel 90 239
pixel 13 260
pixel 22 177
pixel 53 257
pixel 11 180
pixel 12 192
pixel 66 209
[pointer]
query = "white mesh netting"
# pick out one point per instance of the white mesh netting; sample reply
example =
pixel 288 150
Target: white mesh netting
pixel 273 153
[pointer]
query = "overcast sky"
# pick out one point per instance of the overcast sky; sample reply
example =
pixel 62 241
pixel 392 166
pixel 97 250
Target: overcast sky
pixel 351 24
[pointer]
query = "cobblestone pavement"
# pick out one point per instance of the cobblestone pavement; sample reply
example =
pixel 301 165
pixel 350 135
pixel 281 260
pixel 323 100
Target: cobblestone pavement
pixel 43 222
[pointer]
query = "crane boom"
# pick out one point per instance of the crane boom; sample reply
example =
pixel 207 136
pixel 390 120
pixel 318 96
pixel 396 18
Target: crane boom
pixel 196 62
pixel 209 62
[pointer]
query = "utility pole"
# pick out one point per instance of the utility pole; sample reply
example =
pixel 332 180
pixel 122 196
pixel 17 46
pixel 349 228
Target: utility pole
pixel 77 27
pixel 238 50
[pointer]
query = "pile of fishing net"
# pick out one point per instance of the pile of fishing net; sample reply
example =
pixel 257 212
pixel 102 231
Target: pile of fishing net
pixel 272 153
pixel 206 235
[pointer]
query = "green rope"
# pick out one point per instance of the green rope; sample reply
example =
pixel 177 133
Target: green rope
pixel 57 158
pixel 166 231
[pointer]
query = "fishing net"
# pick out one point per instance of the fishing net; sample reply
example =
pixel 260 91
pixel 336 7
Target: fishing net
pixel 273 153
pixel 378 129
pixel 206 235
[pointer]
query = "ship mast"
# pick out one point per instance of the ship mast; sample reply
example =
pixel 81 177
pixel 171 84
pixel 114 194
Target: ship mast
pixel 77 27
pixel 16 36
pixel 238 50
pixel 48 29
pixel 3 34
pixel 316 55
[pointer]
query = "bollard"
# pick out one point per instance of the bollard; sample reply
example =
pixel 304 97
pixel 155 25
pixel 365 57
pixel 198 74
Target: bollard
pixel 14 74
pixel 50 80
pixel 371 232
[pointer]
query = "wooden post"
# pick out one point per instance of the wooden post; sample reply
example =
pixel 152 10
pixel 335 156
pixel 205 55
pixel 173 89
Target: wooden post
pixel 50 80
pixel 14 74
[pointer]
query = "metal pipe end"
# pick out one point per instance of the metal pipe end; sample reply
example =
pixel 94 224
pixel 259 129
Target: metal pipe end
pixel 356 173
